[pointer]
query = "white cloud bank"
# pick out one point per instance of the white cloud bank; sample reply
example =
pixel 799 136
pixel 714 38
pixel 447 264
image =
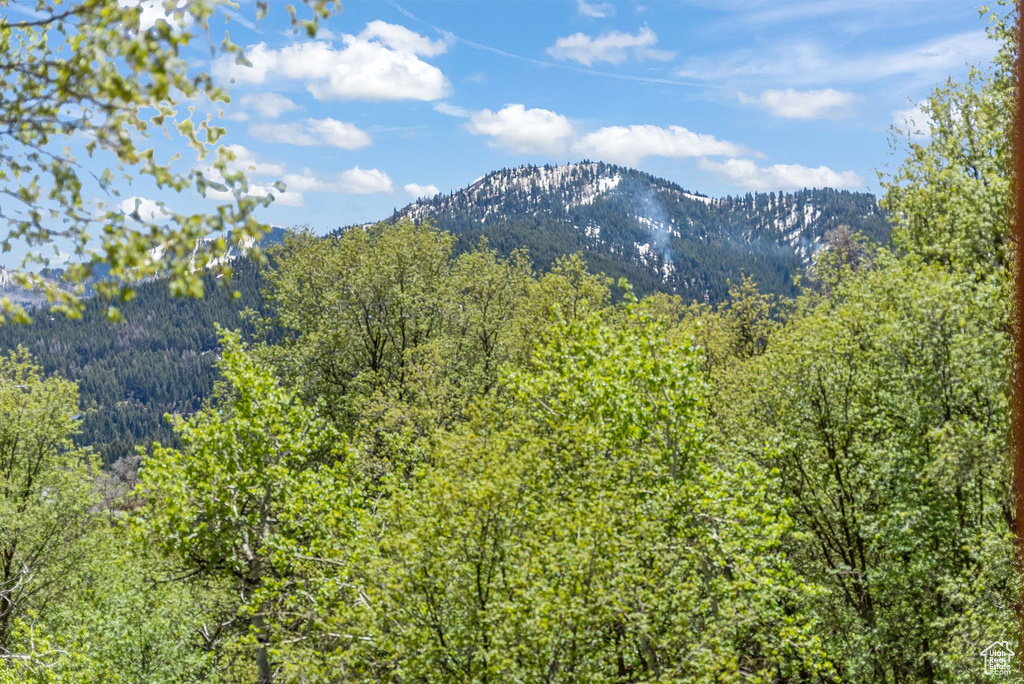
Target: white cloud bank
pixel 631 144
pixel 268 105
pixel 246 160
pixel 522 130
pixel 146 209
pixel 803 104
pixel 596 10
pixel 614 47
pixel 416 191
pixel 383 62
pixel 313 133
pixel 541 131
pixel 354 181
pixel 747 174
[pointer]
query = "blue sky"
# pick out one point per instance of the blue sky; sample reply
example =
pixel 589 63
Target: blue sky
pixel 721 96
pixel 404 98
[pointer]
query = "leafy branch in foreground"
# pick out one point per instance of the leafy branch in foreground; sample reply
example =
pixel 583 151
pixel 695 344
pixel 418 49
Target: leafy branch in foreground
pixel 90 77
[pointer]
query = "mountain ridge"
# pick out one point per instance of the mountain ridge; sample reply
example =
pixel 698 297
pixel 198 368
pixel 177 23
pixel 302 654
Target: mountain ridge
pixel 632 224
pixel 648 229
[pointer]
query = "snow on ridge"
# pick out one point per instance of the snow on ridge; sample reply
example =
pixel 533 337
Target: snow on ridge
pixel 7 279
pixel 644 251
pixel 700 198
pixel 590 193
pixel 811 213
pixel 576 185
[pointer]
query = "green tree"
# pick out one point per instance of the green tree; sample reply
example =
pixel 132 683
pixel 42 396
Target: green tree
pixel 398 335
pixel 121 623
pixel 258 475
pixel 576 529
pixel 842 252
pixel 885 412
pixel 354 307
pixel 950 198
pixel 46 490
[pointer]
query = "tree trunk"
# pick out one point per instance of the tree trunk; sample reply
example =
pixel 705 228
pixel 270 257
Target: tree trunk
pixel 264 675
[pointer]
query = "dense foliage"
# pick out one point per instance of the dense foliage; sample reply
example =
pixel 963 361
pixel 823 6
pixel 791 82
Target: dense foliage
pixel 161 360
pixel 436 465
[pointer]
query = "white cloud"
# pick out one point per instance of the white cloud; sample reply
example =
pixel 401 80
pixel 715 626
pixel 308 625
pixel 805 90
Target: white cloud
pixel 542 131
pixel 522 130
pixel 451 110
pixel 289 133
pixel 286 198
pixel 803 104
pixel 745 174
pixel 314 132
pixel 806 63
pixel 306 181
pixel 402 39
pixel 629 145
pixel 354 181
pixel 913 122
pixel 357 181
pixel 146 209
pixel 246 160
pixel 381 63
pixel 269 105
pixel 417 191
pixel 614 47
pixel 597 10
pixel 249 162
pixel 340 134
pixel 261 62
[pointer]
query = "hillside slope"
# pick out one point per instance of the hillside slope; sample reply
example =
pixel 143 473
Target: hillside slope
pixel 647 229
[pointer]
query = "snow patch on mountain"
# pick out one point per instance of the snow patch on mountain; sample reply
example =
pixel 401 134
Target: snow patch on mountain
pixel 700 198
pixel 644 219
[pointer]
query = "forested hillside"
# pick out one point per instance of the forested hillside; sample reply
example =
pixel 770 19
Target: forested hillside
pixel 660 237
pixel 159 360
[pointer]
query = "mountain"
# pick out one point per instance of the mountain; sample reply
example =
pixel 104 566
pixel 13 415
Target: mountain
pixel 13 290
pixel 649 230
pixel 626 223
